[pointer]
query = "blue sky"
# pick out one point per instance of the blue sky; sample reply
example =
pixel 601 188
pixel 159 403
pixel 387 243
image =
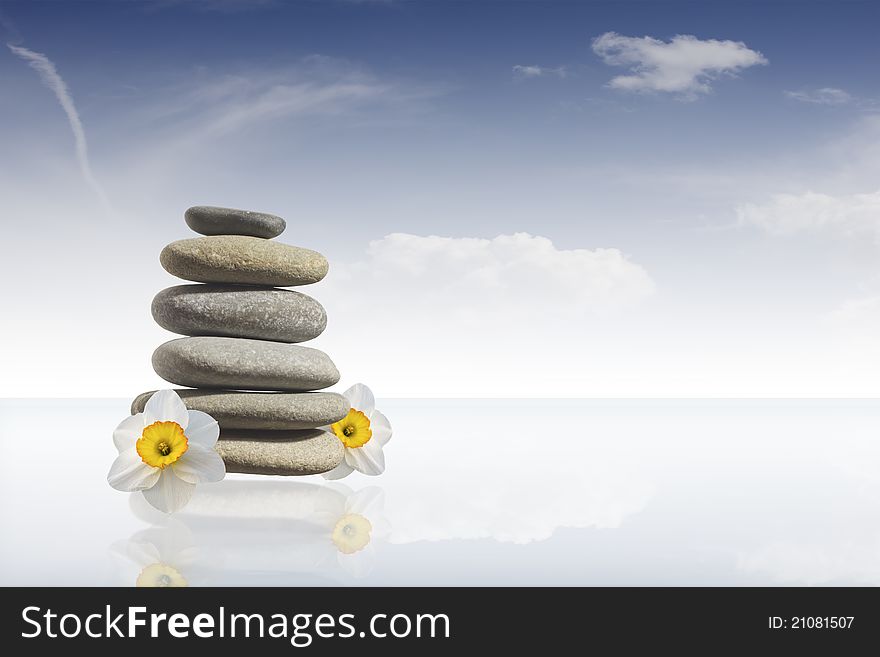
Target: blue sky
pixel 705 174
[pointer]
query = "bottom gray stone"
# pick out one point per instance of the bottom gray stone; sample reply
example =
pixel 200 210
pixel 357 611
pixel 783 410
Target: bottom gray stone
pixel 288 453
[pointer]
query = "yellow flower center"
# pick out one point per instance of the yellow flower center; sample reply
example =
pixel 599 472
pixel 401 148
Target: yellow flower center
pixel 354 429
pixel 161 444
pixel 352 533
pixel 160 575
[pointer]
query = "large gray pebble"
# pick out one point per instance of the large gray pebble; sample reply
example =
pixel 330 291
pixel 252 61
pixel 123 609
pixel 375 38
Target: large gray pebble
pixel 242 364
pixel 261 410
pixel 211 220
pixel 239 311
pixel 289 453
pixel 244 260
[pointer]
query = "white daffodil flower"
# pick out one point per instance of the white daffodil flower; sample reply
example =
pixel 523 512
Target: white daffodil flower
pixel 364 432
pixel 165 451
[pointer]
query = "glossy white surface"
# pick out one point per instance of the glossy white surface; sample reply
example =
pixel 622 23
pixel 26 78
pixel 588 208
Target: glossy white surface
pixel 495 492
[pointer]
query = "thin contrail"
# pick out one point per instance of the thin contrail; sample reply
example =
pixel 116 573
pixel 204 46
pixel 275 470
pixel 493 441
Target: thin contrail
pixel 49 74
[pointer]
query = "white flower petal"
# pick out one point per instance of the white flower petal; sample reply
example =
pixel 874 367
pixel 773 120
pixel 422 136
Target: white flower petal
pixel 367 502
pixel 129 472
pixel 171 493
pixel 199 465
pixel 340 471
pixel 165 406
pixel 369 459
pixel 361 399
pixel 202 429
pixel 128 432
pixel 381 428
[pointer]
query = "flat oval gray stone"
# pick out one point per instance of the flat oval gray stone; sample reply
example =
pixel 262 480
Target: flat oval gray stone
pixel 290 453
pixel 239 311
pixel 242 364
pixel 243 259
pixel 261 410
pixel 211 220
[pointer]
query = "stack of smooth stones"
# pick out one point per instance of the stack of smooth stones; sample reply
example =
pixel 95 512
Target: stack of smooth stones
pixel 240 362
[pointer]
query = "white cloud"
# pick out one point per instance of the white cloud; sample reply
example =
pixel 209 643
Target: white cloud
pixel 443 316
pixel 534 71
pixel 786 214
pixel 685 65
pixel 823 96
pixel 49 74
pixel 508 274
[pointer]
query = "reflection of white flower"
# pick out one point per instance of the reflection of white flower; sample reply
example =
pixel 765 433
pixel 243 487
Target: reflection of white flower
pixel 164 556
pixel 361 523
pixel 364 432
pixel 165 451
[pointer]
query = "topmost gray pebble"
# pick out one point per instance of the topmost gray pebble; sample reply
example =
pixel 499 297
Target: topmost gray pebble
pixel 208 220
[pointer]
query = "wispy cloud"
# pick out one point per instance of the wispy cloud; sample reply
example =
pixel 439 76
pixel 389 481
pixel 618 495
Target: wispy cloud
pixel 811 212
pixel 49 74
pixel 823 96
pixel 534 71
pixel 205 106
pixel 290 99
pixel 685 65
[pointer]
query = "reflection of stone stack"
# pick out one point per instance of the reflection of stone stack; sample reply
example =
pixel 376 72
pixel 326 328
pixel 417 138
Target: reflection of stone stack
pixel 239 360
